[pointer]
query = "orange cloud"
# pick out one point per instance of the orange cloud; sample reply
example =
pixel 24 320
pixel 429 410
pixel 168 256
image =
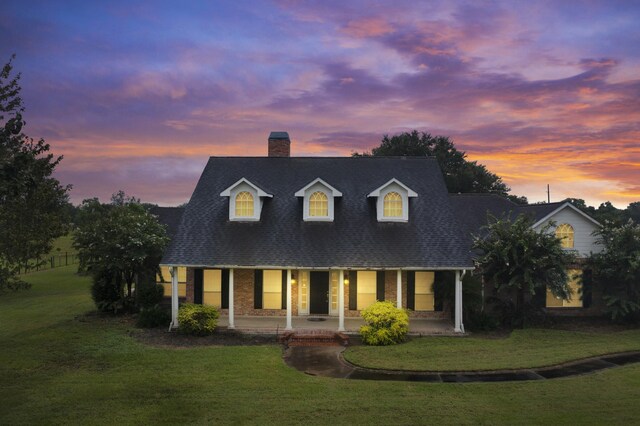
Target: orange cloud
pixel 367 27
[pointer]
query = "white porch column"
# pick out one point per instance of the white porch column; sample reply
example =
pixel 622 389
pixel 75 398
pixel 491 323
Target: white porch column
pixel 459 327
pixel 340 300
pixel 174 296
pixel 399 289
pixel 288 327
pixel 231 319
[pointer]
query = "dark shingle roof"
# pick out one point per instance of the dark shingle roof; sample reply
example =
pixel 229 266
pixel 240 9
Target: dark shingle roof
pixel 355 239
pixel 170 217
pixel 539 211
pixel 473 210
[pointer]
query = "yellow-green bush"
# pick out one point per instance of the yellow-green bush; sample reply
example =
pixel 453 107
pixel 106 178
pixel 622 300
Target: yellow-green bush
pixel 386 324
pixel 197 320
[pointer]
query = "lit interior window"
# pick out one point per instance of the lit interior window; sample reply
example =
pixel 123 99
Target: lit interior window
pixel 244 204
pixel 366 289
pixel 272 289
pixel 392 205
pixel 318 204
pixel 424 300
pixel 565 233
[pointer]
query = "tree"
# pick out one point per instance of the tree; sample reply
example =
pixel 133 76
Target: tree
pixel 607 212
pixel 616 270
pixel 521 263
pixel 633 212
pixel 32 203
pixel 117 243
pixel 460 175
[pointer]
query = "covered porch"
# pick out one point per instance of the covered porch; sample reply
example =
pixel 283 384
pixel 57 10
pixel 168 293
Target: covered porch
pixel 274 325
pixel 251 284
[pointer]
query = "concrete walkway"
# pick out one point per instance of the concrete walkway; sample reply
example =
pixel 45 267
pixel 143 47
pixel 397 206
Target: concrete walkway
pixel 327 361
pixel 275 325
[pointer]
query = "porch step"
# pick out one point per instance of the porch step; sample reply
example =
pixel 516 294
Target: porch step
pixel 314 338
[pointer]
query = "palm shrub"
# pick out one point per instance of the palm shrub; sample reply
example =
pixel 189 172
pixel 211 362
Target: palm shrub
pixel 386 324
pixel 521 263
pixel 197 320
pixel 616 270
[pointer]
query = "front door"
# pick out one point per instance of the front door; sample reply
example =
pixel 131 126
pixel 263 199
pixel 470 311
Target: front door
pixel 319 290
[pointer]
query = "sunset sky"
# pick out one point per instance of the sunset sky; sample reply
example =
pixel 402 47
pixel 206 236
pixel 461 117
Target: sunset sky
pixel 137 95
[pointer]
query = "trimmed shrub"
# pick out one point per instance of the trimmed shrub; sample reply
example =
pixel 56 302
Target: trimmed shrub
pixel 154 316
pixel 386 324
pixel 197 320
pixel 148 292
pixel 104 292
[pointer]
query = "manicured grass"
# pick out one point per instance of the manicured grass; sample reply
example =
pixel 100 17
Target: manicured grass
pixel 58 366
pixel 63 245
pixel 522 349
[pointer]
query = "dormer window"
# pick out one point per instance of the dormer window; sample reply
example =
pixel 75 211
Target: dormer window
pixel 318 201
pixel 392 203
pixel 245 201
pixel 244 204
pixel 318 204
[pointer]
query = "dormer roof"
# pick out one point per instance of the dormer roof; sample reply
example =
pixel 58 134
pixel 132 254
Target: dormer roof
pixel 261 193
pixel 376 192
pixel 334 192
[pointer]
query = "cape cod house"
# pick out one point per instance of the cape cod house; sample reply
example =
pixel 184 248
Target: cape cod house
pixel 293 237
pixel 574 227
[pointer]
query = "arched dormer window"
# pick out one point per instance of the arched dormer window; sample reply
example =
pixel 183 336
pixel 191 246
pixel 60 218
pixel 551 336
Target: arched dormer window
pixel 318 201
pixel 392 201
pixel 392 205
pixel 245 201
pixel 244 204
pixel 565 233
pixel 318 204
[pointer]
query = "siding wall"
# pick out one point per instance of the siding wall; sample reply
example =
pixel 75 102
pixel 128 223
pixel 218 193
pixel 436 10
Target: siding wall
pixel 584 242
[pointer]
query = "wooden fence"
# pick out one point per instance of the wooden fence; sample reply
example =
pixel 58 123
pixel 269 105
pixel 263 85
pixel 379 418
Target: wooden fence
pixel 55 261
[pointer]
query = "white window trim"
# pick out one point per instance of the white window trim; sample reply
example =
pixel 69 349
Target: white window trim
pixel 318 185
pixel 258 200
pixel 405 192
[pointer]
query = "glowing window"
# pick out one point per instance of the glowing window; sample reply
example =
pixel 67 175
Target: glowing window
pixel 392 205
pixel 244 204
pixel 318 204
pixel 424 300
pixel 575 287
pixel 272 289
pixel 366 289
pixel 565 233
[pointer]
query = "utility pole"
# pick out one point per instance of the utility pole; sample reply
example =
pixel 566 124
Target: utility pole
pixel 548 195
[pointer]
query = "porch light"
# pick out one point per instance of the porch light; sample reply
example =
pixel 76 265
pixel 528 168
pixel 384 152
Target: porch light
pixel 293 278
pixel 346 278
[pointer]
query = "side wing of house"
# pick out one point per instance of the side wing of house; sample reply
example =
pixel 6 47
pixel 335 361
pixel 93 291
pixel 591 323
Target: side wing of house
pixel 569 220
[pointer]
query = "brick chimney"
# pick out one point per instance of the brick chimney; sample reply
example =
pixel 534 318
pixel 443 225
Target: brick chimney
pixel 279 144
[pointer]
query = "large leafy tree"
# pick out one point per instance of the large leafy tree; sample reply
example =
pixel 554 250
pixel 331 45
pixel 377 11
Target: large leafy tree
pixel 521 263
pixel 616 269
pixel 33 204
pixel 460 174
pixel 118 243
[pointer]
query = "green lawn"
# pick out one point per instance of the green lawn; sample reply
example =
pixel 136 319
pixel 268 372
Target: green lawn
pixel 63 245
pixel 59 367
pixel 523 348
